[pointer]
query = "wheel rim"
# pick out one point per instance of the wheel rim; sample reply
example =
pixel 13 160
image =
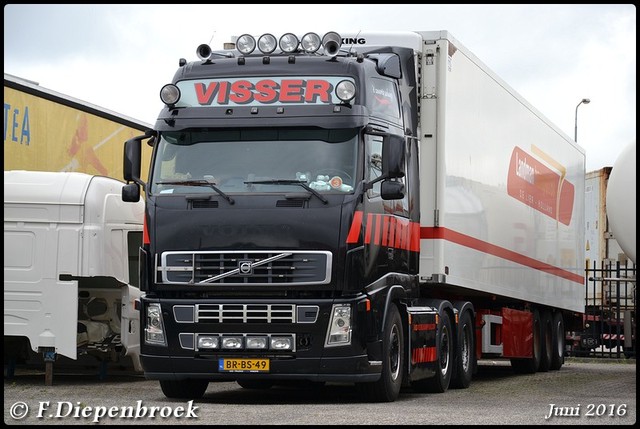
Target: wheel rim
pixel 444 351
pixel 464 350
pixel 394 353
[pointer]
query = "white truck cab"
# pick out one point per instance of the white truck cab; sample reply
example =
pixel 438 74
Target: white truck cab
pixel 70 266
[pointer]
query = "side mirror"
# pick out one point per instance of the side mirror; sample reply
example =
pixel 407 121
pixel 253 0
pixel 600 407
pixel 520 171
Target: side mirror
pixel 131 193
pixel 391 190
pixel 132 159
pixel 393 156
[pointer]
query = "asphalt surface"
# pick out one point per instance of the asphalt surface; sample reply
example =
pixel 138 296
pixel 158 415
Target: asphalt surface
pixel 583 391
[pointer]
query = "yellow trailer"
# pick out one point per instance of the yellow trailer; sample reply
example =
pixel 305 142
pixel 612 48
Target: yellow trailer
pixel 48 131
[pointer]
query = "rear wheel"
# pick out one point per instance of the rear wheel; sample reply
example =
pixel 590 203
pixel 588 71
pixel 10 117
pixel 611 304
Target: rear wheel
pixel 465 347
pixel 558 340
pixel 531 365
pixel 184 389
pixel 546 341
pixel 387 388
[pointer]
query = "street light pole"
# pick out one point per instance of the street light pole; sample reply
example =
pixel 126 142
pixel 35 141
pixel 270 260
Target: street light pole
pixel 585 101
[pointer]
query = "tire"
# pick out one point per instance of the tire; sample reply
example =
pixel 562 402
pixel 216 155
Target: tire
pixel 439 383
pixel 184 389
pixel 546 341
pixel 465 353
pixel 255 384
pixel 531 365
pixel 558 340
pixel 387 388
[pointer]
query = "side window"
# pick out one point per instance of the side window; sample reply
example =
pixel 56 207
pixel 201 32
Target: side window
pixel 373 162
pixel 385 102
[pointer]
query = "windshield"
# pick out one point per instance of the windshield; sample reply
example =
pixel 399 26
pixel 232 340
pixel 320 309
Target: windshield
pixel 256 160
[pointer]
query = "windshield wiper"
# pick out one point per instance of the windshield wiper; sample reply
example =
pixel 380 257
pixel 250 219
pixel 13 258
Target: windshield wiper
pixel 288 182
pixel 199 182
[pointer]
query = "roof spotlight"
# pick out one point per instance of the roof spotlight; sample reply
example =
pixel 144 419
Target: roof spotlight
pixel 267 43
pixel 246 44
pixel 310 42
pixel 289 43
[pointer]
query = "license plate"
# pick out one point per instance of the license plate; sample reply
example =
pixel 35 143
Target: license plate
pixel 243 365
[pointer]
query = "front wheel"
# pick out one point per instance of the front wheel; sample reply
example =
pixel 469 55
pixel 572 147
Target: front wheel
pixel 387 388
pixel 184 389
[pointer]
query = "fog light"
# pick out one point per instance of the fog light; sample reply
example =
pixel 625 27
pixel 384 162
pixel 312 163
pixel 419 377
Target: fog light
pixel 281 343
pixel 208 342
pixel 257 343
pixel 234 343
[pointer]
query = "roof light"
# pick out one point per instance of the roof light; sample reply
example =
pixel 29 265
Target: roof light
pixel 170 94
pixel 345 90
pixel 246 44
pixel 311 42
pixel 267 43
pixel 289 43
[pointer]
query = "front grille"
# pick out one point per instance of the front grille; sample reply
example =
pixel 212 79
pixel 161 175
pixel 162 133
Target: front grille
pixel 246 313
pixel 256 268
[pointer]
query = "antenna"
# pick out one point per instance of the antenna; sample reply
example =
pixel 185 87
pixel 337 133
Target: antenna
pixel 355 38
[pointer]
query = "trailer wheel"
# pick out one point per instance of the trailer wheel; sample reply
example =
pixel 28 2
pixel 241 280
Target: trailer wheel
pixel 184 389
pixel 558 339
pixel 387 388
pixel 531 365
pixel 465 349
pixel 546 340
pixel 439 383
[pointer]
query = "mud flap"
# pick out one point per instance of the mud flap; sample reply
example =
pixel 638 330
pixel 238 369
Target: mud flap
pixel 422 342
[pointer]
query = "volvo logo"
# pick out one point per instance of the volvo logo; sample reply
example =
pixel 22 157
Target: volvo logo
pixel 245 267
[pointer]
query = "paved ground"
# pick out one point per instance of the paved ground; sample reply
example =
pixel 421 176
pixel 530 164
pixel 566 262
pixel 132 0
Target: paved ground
pixel 584 391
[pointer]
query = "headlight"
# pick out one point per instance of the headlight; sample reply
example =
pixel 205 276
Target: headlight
pixel 154 330
pixel 339 333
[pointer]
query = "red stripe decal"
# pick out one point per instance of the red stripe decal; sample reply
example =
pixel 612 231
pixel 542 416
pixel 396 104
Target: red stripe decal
pixel 376 238
pixel 390 231
pixel 482 246
pixel 356 226
pixel 423 354
pixel 424 327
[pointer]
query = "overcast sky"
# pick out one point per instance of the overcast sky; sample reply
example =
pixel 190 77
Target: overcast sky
pixel 119 56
